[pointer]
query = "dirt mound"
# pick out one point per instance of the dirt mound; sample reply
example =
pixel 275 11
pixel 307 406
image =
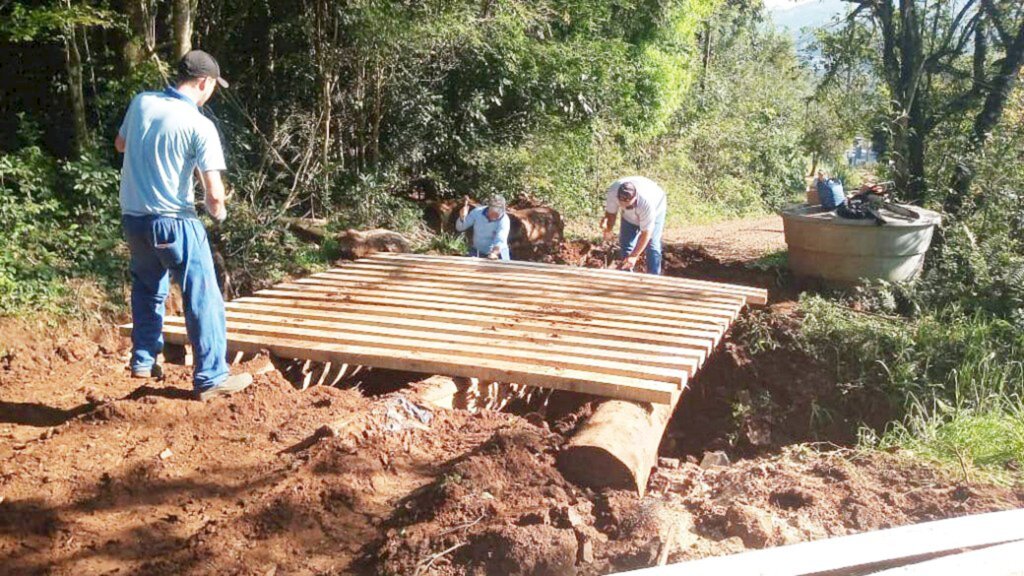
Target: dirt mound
pixel 805 495
pixel 106 473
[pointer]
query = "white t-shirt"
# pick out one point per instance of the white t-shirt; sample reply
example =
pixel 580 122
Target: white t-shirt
pixel 650 201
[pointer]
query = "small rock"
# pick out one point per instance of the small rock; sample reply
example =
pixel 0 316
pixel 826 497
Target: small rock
pixel 566 517
pixel 585 555
pixel 750 524
pixel 668 462
pixel 717 459
pixel 573 517
pixel 536 419
pixel 166 454
pixel 691 458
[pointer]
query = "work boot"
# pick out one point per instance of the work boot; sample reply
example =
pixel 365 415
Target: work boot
pixel 233 384
pixel 154 371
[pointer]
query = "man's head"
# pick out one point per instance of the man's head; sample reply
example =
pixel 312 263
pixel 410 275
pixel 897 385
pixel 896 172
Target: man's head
pixel 495 207
pixel 627 194
pixel 199 75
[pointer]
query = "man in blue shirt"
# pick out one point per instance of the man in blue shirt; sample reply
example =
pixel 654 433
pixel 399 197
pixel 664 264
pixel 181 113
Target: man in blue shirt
pixel 643 205
pixel 165 139
pixel 490 226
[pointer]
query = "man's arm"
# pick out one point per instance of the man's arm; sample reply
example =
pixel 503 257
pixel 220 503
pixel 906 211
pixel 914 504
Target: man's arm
pixel 119 143
pixel 641 244
pixel 216 196
pixel 466 219
pixel 611 210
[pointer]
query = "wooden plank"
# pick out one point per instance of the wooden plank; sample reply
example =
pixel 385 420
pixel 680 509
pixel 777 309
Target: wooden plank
pixel 696 348
pixel 599 332
pixel 859 550
pixel 403 306
pixel 515 300
pixel 467 351
pixel 616 290
pixel 480 302
pixel 486 322
pixel 685 362
pixel 499 266
pixel 618 284
pixel 429 363
pixel 756 296
pixel 427 281
pixel 999 560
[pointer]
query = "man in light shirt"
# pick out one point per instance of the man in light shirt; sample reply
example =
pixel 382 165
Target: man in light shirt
pixel 490 226
pixel 165 139
pixel 643 205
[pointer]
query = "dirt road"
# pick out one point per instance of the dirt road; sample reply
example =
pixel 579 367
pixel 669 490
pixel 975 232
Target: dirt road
pixel 104 474
pixel 734 240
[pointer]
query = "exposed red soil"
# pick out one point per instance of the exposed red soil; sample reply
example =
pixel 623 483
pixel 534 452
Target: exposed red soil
pixel 103 474
pixel 106 474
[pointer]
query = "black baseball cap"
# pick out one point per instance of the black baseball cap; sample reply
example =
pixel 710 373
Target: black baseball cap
pixel 199 64
pixel 626 192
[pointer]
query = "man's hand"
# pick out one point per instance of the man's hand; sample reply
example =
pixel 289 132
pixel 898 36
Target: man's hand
pixel 495 253
pixel 216 197
pixel 465 208
pixel 628 263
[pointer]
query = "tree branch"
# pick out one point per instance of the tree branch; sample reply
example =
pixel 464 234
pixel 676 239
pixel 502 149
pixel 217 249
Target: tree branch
pixel 996 17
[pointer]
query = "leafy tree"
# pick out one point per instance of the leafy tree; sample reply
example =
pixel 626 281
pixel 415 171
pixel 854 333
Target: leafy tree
pixel 939 61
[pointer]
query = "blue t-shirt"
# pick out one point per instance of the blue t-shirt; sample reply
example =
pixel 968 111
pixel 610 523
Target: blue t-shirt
pixel 487 233
pixel 166 138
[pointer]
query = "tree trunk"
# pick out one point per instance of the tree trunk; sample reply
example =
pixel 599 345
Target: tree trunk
pixel 706 58
pixel 987 119
pixel 917 185
pixel 73 63
pixel 618 446
pixel 184 13
pixel 142 22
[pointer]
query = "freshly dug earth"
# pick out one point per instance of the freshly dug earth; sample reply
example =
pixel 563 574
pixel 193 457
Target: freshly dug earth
pixel 105 474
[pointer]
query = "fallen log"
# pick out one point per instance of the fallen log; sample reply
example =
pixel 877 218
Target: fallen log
pixel 618 446
pixel 351 243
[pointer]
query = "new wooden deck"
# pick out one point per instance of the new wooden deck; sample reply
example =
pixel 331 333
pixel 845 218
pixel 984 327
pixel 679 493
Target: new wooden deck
pixel 604 332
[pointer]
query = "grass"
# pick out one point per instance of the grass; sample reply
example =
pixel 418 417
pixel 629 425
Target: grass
pixel 957 379
pixel 778 260
pixel 444 243
pixel 987 441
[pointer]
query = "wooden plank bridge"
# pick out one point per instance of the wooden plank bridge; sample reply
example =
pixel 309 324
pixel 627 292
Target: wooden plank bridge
pixel 604 332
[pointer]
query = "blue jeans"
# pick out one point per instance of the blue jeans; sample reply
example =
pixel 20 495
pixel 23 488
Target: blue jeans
pixel 628 234
pixel 474 253
pixel 159 245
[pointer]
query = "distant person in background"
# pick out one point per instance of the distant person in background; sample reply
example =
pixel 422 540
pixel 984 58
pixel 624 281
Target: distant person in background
pixel 643 205
pixel 830 191
pixel 490 224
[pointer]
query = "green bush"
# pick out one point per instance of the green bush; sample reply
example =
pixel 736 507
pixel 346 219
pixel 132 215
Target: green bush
pixel 56 222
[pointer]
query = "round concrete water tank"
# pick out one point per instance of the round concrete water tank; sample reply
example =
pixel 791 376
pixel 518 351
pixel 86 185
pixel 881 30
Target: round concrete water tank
pixel 839 250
